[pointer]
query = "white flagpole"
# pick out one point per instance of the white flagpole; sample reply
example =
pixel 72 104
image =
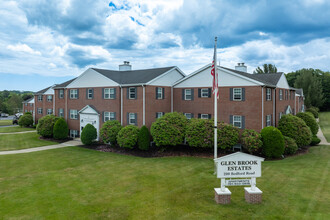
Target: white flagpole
pixel 215 103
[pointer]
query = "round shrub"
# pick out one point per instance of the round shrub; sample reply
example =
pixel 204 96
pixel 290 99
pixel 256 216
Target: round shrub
pixel 26 120
pixel 88 134
pixel 294 127
pixel 199 133
pixel 144 138
pixel 310 122
pixel 251 141
pixel 290 146
pixel 315 140
pixel 128 136
pixel 169 129
pixel 45 125
pixel 61 129
pixel 273 142
pixel 228 135
pixel 27 113
pixel 313 111
pixel 109 132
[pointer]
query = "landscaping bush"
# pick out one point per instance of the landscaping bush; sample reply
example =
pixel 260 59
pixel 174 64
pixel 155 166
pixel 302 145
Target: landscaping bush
pixel 313 111
pixel 88 134
pixel 294 127
pixel 228 135
pixel 26 120
pixel 273 142
pixel 310 122
pixel 315 140
pixel 199 133
pixel 169 129
pixel 61 129
pixel 128 136
pixel 251 141
pixel 46 125
pixel 144 138
pixel 109 132
pixel 290 146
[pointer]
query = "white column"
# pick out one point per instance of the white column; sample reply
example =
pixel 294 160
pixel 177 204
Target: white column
pixel 262 107
pixel 274 108
pixel 121 105
pixel 171 99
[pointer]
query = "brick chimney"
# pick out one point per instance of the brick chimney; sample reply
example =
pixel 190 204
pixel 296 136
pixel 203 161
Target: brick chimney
pixel 241 67
pixel 125 67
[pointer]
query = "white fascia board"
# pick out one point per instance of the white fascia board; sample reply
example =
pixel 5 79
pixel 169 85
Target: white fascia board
pixel 239 153
pixel 135 84
pixel 192 74
pixel 49 91
pixel 88 107
pixel 242 77
pixel 283 82
pixel 160 76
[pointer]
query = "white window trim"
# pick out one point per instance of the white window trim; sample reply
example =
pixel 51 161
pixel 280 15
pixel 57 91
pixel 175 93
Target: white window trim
pixel 237 121
pixel 109 93
pixel 240 89
pixel 89 93
pixel 188 114
pixel 204 116
pixel 49 98
pixel 61 112
pixel 131 116
pixel 204 93
pixel 73 133
pixel 268 94
pixel 281 115
pixel 49 111
pixel 61 91
pixel 159 114
pixel 268 120
pixel 281 94
pixel 109 116
pixel 40 111
pixel 131 93
pixel 185 94
pixel 73 95
pixel 159 93
pixel 73 113
pixel 39 98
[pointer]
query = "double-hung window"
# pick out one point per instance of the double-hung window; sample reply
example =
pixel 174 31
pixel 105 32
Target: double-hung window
pixel 188 115
pixel 131 119
pixel 39 110
pixel 204 116
pixel 31 104
pixel 132 93
pixel 268 94
pixel 89 93
pixel 286 94
pixel 109 116
pixel 61 93
pixel 281 94
pixel 268 120
pixel 159 114
pixel 49 98
pixel 73 94
pixel 159 93
pixel 49 111
pixel 109 93
pixel 187 94
pixel 61 112
pixel 73 133
pixel 204 93
pixel 73 114
pixel 237 121
pixel 237 94
pixel 39 98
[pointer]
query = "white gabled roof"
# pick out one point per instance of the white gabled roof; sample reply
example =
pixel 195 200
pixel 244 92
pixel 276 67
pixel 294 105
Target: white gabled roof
pixel 88 109
pixel 239 154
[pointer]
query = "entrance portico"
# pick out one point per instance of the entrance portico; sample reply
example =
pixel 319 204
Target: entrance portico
pixel 88 115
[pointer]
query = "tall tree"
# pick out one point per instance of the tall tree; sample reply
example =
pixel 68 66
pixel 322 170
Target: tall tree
pixel 312 87
pixel 267 68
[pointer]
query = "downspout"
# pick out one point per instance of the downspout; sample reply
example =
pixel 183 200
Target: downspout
pixel 262 107
pixel 295 103
pixel 171 99
pixel 274 107
pixel 121 105
pixel 54 103
pixel 144 105
pixel 65 92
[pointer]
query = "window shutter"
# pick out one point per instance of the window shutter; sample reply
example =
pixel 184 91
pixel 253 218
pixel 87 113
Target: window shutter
pixel 115 92
pixel 69 91
pixel 243 122
pixel 163 93
pixel 199 115
pixel 163 113
pixel 271 120
pixel 70 113
pixel 87 93
pixel 156 93
pixel 199 93
pixel 271 92
pixel 127 118
pixel 243 94
pixel 103 119
pixel 59 110
pixel 210 92
pixel 102 93
pixel 127 93
pixel 136 93
pixel 231 119
pixel 209 116
pixel 92 93
pixel 182 94
pixel 266 121
pixel 58 91
pixel 77 93
pixel 231 94
pixel 156 115
pixel 192 94
pixel 115 115
pixel 192 115
pixel 135 119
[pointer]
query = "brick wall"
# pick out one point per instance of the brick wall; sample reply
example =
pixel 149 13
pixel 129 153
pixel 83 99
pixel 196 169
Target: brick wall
pixel 44 104
pixel 281 105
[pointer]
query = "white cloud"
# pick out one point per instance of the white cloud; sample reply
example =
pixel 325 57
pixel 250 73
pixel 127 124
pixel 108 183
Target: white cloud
pixel 23 48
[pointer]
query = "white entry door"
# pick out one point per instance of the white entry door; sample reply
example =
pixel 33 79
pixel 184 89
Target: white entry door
pixel 92 119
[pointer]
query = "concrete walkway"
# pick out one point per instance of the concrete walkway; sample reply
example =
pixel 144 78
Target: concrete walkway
pixel 20 132
pixel 322 138
pixel 75 142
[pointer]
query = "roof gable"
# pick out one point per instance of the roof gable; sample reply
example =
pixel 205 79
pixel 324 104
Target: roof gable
pixel 167 78
pixel 91 78
pixel 283 83
pixel 88 109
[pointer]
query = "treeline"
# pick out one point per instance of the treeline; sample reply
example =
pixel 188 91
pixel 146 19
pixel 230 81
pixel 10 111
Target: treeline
pixel 316 86
pixel 11 101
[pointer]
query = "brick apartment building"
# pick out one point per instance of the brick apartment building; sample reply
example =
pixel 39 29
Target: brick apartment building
pixel 139 97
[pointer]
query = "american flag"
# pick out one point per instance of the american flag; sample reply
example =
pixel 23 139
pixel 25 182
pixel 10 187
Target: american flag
pixel 214 72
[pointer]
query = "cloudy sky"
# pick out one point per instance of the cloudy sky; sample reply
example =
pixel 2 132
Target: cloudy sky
pixel 45 42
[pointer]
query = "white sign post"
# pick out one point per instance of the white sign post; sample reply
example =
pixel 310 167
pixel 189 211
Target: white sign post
pixel 238 165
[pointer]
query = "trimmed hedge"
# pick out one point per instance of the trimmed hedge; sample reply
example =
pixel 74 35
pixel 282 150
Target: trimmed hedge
pixel 46 125
pixel 228 135
pixel 144 138
pixel 88 134
pixel 251 141
pixel 199 133
pixel 290 146
pixel 294 127
pixel 315 140
pixel 61 129
pixel 313 111
pixel 26 120
pixel 310 121
pixel 273 142
pixel 109 131
pixel 127 137
pixel 169 129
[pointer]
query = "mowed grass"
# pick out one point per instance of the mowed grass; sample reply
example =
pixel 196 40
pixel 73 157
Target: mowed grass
pixel 325 124
pixel 14 129
pixel 78 183
pixel 22 141
pixel 6 122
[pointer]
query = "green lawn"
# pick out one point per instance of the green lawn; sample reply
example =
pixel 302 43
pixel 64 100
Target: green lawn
pixel 21 141
pixel 14 129
pixel 325 124
pixel 6 122
pixel 78 183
